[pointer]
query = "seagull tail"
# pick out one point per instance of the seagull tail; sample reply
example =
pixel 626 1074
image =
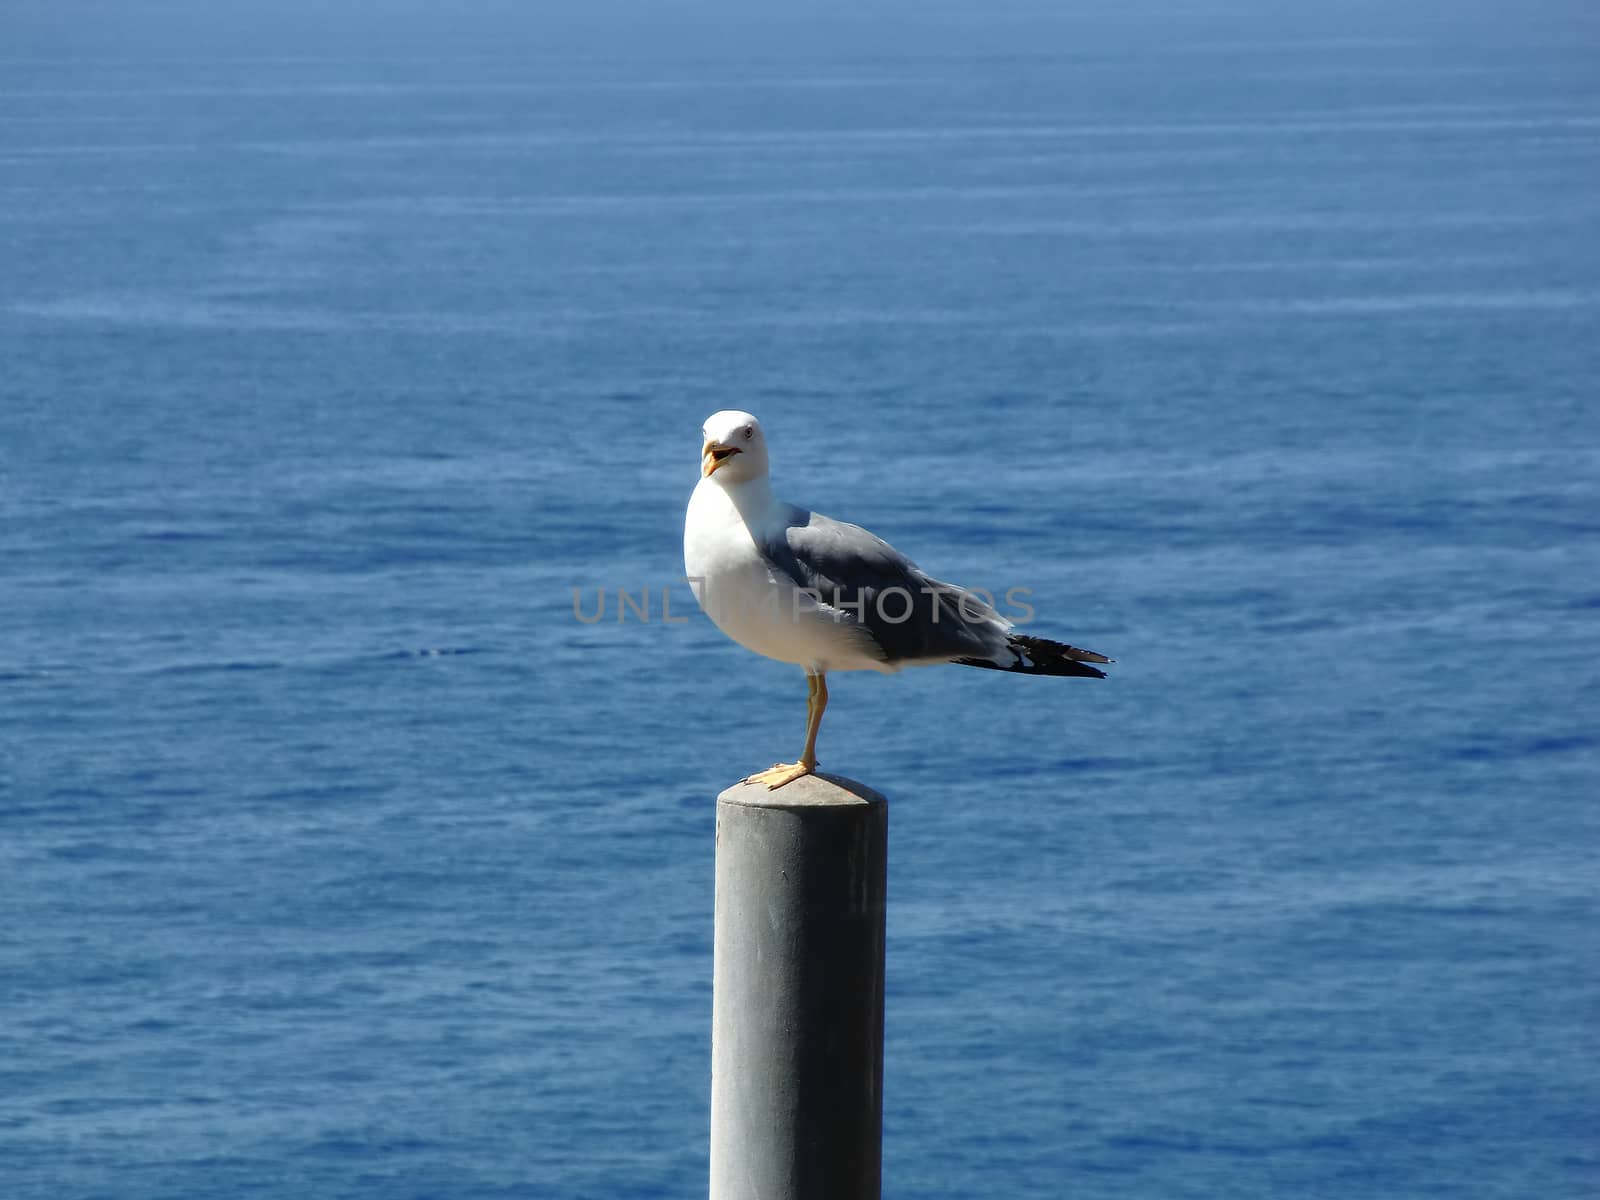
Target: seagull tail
pixel 1039 656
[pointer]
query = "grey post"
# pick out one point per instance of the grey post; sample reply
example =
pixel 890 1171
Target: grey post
pixel 797 992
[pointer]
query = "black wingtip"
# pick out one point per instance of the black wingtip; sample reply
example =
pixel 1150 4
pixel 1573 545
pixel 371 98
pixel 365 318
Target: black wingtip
pixel 1041 656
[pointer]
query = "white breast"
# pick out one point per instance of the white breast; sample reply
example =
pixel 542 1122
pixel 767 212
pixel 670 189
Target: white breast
pixel 755 604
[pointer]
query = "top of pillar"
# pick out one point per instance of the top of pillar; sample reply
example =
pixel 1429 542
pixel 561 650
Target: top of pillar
pixel 809 791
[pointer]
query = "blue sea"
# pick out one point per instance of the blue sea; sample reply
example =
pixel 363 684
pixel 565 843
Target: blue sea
pixel 352 356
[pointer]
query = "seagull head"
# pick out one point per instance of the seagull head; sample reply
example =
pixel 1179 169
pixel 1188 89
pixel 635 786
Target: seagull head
pixel 734 449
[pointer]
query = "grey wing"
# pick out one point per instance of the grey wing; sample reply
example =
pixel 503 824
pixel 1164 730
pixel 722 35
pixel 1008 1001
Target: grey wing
pixel 862 580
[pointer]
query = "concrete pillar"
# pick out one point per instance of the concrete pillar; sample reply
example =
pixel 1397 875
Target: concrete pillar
pixel 797 1005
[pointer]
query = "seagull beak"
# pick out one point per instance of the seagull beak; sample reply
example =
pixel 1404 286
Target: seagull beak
pixel 712 455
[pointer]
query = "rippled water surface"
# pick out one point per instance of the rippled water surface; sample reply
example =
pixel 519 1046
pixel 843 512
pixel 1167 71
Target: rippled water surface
pixel 338 857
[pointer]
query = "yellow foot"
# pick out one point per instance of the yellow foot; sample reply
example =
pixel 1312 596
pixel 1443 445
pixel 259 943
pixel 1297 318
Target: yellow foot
pixel 779 774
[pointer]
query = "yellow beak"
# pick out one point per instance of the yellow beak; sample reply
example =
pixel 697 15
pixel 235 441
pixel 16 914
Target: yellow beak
pixel 713 455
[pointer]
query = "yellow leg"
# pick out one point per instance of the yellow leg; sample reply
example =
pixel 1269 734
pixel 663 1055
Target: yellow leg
pixel 779 774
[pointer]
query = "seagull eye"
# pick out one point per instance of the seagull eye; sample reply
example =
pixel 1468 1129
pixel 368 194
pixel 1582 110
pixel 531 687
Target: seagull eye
pixel 748 433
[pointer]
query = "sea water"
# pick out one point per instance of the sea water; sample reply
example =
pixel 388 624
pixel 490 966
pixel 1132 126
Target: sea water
pixel 352 357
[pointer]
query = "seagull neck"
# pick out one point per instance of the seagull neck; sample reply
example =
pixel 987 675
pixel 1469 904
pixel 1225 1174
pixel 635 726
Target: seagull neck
pixel 752 497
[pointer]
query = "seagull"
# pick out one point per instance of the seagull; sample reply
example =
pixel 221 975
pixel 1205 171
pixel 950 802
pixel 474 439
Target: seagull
pixel 802 588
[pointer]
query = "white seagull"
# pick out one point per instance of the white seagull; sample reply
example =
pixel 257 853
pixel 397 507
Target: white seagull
pixel 802 588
